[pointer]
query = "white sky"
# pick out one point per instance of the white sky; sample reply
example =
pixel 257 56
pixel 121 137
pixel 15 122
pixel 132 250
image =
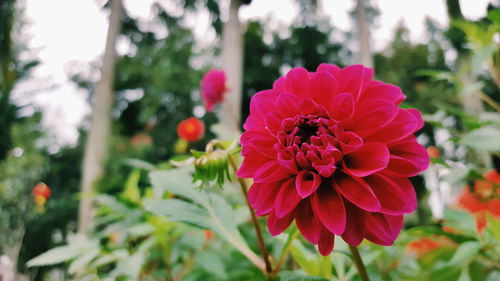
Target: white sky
pixel 65 31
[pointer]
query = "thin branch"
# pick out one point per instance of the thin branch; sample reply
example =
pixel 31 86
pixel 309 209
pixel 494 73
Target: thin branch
pixel 359 263
pixel 262 245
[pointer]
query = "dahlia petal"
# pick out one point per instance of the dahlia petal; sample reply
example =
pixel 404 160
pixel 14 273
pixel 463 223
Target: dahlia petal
pixel 306 182
pixel 287 161
pixel 355 225
pixel 325 167
pixel 418 116
pixel 273 122
pixel 261 141
pixel 276 226
pixel 369 159
pixel 349 142
pixel 371 115
pixel 279 85
pixel 380 231
pixel 308 106
pixel 296 81
pixel 401 167
pixel 342 106
pixel 396 195
pixel 330 68
pixel 354 79
pixel 412 151
pixel 329 207
pixel 253 193
pixel 270 171
pixel 326 242
pixel 322 87
pixel 263 197
pixel 260 104
pixel 356 191
pixel 383 91
pixel 287 199
pixel 287 104
pixel 251 163
pixel 401 127
pixel 307 222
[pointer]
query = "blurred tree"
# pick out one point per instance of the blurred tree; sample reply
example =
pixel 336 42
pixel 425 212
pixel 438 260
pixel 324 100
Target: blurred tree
pixel 98 139
pixel 12 69
pixel 363 33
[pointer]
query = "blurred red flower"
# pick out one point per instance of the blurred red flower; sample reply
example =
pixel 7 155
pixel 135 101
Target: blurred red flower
pixel 213 88
pixel 191 129
pixel 483 198
pixel 424 245
pixel 332 150
pixel 41 189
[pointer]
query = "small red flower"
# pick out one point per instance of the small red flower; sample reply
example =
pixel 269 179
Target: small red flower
pixel 483 198
pixel 191 129
pixel 332 150
pixel 213 88
pixel 42 190
pixel 425 245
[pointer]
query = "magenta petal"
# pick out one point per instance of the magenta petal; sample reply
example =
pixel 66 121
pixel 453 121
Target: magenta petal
pixel 396 195
pixel 372 115
pixel 276 226
pixel 261 141
pixel 326 242
pixel 330 68
pixel 308 224
pixel 342 106
pixel 279 85
pixel 380 231
pixel 325 167
pixel 412 151
pixel 329 207
pixel 383 91
pixel 251 163
pixel 322 87
pixel 260 104
pixel 307 182
pixel 349 142
pixel 401 127
pixel 354 79
pixel 287 104
pixel 356 191
pixel 401 167
pixel 296 81
pixel 287 199
pixel 355 226
pixel 262 200
pixel 369 159
pixel 270 171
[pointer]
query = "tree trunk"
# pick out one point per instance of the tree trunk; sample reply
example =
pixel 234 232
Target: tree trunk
pixel 363 34
pixel 97 141
pixel 232 63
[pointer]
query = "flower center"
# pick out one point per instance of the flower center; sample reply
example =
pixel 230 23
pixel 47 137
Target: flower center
pixel 308 142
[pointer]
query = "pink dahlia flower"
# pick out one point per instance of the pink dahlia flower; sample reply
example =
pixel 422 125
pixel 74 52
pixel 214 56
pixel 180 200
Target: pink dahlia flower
pixel 332 150
pixel 213 88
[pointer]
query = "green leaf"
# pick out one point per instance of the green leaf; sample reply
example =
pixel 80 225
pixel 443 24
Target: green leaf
pixel 212 263
pixel 494 16
pixel 465 252
pixel 483 139
pixel 306 260
pixel 493 226
pixel 460 220
pixel 177 181
pixel 298 276
pixel 61 254
pixel 179 210
pixel 446 273
pixel 477 272
pixel 138 163
pixel 131 191
pixel 82 261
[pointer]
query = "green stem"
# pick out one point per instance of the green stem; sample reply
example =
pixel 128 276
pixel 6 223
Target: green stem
pixel 359 263
pixel 262 245
pixel 285 251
